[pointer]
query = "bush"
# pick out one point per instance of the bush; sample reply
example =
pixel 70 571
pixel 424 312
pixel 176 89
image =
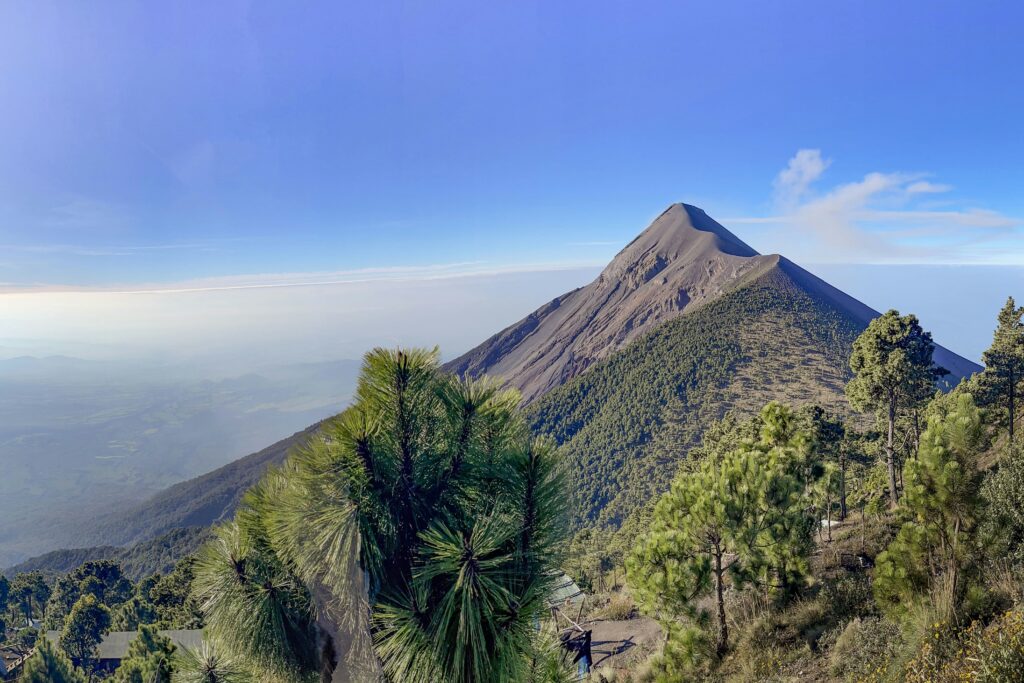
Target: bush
pixel 689 655
pixel 797 625
pixel 776 638
pixel 1002 526
pixel 849 596
pixel 619 608
pixel 991 654
pixel 863 649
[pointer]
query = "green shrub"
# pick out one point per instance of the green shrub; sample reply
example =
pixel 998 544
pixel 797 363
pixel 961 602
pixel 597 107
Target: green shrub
pixel 1002 526
pixel 849 596
pixel 863 649
pixel 689 655
pixel 981 654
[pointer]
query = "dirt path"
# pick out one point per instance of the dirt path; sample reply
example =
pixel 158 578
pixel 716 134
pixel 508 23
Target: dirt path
pixel 618 644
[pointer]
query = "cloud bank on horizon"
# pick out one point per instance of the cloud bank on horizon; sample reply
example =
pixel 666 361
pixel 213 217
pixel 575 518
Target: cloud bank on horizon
pixel 885 217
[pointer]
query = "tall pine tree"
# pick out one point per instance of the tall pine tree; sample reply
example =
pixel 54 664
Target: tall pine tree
pixel 893 371
pixel 84 628
pixel 425 515
pixel 943 491
pixel 1004 363
pixel 742 513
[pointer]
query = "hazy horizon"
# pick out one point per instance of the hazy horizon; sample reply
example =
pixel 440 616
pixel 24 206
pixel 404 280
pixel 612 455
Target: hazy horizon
pixel 322 322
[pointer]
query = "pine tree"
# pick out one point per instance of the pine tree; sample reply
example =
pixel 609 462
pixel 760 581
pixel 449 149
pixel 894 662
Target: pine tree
pixel 29 593
pixel 5 592
pixel 102 578
pixel 148 660
pixel 49 665
pixel 1004 364
pixel 893 371
pixel 424 514
pixel 84 628
pixel 206 665
pixel 136 612
pixel 743 513
pixel 943 486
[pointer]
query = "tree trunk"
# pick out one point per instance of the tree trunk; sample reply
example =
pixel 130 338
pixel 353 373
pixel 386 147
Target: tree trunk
pixel 1013 402
pixel 829 517
pixel 328 658
pixel 863 528
pixel 954 568
pixel 723 627
pixel 842 483
pixel 916 433
pixel 890 448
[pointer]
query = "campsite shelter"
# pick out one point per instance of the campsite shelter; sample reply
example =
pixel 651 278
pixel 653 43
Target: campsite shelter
pixel 115 644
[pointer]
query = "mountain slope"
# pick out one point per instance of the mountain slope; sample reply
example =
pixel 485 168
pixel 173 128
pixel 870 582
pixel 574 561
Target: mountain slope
pixel 157 555
pixel 198 502
pixel 780 334
pixel 681 262
pixel 768 339
pixel 685 323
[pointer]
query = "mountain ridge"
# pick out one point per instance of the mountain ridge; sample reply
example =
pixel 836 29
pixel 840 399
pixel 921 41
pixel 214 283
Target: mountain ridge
pixel 682 264
pixel 682 261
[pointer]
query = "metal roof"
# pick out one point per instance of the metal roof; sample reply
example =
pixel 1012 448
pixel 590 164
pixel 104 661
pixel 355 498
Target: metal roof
pixel 565 590
pixel 115 644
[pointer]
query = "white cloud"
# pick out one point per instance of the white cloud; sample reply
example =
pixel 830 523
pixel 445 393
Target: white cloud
pixel 792 183
pixel 925 187
pixel 877 219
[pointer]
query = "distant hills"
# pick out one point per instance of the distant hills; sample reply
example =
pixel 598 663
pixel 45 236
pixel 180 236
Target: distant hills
pixel 685 323
pixel 156 555
pixel 197 502
pixel 79 439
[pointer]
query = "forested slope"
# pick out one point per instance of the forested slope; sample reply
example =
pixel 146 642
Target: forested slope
pixel 157 555
pixel 770 338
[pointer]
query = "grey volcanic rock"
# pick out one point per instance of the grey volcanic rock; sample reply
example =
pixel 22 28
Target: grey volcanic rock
pixel 682 261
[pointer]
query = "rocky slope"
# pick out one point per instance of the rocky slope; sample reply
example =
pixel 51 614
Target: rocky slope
pixel 681 262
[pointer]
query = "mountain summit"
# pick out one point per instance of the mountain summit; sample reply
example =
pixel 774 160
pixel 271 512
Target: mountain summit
pixel 686 323
pixel 682 261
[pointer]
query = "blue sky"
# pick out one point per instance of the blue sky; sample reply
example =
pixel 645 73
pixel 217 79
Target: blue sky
pixel 201 145
pixel 154 142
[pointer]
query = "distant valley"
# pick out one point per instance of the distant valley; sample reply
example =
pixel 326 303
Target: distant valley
pixel 78 437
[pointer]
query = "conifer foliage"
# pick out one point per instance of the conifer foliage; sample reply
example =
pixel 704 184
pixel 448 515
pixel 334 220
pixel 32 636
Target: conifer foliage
pixel 49 665
pixel 943 491
pixel 893 372
pixel 84 628
pixel 148 660
pixel 206 665
pixel 425 515
pixel 742 514
pixel 1004 364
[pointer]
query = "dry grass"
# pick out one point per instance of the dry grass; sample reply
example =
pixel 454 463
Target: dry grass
pixel 619 608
